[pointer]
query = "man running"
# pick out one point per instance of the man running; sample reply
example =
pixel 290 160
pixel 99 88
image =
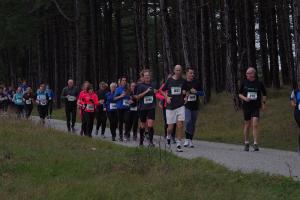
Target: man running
pixel 69 96
pixel 122 100
pixel 111 109
pixel 192 106
pixel 28 99
pixel 3 100
pixel 132 115
pixel 253 94
pixel 174 93
pixel 147 104
pixel 101 110
pixel 42 102
pixel 295 102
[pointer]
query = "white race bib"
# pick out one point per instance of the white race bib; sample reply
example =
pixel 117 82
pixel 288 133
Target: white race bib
pixel 133 108
pixel 125 102
pixel 71 98
pixel 28 102
pixel 252 95
pixel 299 107
pixel 42 97
pixel 148 100
pixel 113 106
pixel 19 100
pixel 43 102
pixel 176 90
pixel 192 97
pixel 90 107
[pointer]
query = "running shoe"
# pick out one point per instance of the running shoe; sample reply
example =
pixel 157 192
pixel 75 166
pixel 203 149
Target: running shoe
pixel 255 147
pixel 191 144
pixel 179 149
pixel 247 146
pixel 186 143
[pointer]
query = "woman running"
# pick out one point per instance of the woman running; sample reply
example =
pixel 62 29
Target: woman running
pixel 131 121
pixel 42 102
pixel 28 99
pixel 111 109
pixel 18 101
pixel 101 111
pixel 84 87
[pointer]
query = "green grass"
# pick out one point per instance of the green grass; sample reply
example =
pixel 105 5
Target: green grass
pixel 38 163
pixel 219 122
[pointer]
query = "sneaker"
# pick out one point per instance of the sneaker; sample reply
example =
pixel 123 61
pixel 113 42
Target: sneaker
pixel 173 140
pixel 113 139
pixel 247 146
pixel 96 132
pixel 186 143
pixel 191 144
pixel 179 149
pixel 255 147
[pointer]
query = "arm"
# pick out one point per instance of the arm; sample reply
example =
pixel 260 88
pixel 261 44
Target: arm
pixel 118 95
pixel 63 94
pixel 241 96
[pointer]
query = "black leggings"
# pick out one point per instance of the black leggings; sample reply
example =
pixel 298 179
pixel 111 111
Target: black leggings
pixel 50 107
pixel 131 122
pixel 121 120
pixel 71 110
pixel 88 123
pixel 113 123
pixel 28 110
pixel 297 118
pixel 43 110
pixel 101 121
pixel 20 110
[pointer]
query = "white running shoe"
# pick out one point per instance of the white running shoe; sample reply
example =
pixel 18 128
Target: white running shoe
pixel 186 143
pixel 191 144
pixel 179 149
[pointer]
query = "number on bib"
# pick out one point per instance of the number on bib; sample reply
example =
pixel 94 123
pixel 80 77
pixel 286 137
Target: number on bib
pixel 71 98
pixel 125 102
pixel 252 95
pixel 176 90
pixel 28 102
pixel 113 106
pixel 90 107
pixel 133 108
pixel 148 99
pixel 192 97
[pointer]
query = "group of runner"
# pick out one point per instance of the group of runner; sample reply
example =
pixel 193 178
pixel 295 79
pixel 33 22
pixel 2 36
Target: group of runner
pixel 23 98
pixel 132 106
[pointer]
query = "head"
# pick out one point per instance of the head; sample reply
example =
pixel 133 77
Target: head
pixel 47 87
pixel 90 89
pixel 123 81
pixel 132 86
pixel 70 83
pixel 113 86
pixel 85 85
pixel 42 87
pixel 190 74
pixel 142 76
pixel 147 76
pixel 19 90
pixel 251 74
pixel 102 86
pixel 29 90
pixel 24 81
pixel 178 71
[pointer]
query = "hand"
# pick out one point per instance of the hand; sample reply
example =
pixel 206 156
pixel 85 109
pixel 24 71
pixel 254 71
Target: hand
pixel 169 100
pixel 130 101
pixel 149 89
pixel 101 101
pixel 247 99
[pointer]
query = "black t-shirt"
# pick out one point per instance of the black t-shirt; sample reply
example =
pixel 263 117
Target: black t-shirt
pixel 3 97
pixel 28 97
pixel 174 90
pixel 73 92
pixel 101 96
pixel 192 99
pixel 254 90
pixel 148 102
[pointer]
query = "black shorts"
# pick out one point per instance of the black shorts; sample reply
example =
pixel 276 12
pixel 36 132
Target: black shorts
pixel 147 114
pixel 250 113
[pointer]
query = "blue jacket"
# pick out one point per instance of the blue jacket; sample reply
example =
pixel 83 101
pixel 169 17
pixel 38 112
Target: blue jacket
pixel 42 98
pixel 123 102
pixel 18 99
pixel 109 103
pixel 50 94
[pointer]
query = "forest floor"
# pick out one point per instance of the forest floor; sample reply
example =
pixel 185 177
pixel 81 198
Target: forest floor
pixel 43 163
pixel 219 122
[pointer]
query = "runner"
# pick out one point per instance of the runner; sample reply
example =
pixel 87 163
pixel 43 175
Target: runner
pixel 50 102
pixel 122 100
pixel 3 101
pixel 132 116
pixel 147 104
pixel 175 112
pixel 111 109
pixel 69 97
pixel 24 86
pixel 89 101
pixel 194 90
pixel 84 87
pixel 101 110
pixel 42 102
pixel 253 94
pixel 295 102
pixel 18 101
pixel 28 99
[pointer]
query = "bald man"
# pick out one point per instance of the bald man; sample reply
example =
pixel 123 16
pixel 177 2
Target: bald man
pixel 69 96
pixel 253 95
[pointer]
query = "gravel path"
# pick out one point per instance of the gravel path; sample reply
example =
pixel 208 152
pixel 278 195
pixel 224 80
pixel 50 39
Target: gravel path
pixel 270 161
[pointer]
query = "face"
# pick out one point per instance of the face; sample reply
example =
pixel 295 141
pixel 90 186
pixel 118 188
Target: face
pixel 70 83
pixel 250 74
pixel 123 82
pixel 190 74
pixel 19 89
pixel 91 91
pixel 29 89
pixel 42 87
pixel 113 88
pixel 85 86
pixel 178 70
pixel 147 77
pixel 132 86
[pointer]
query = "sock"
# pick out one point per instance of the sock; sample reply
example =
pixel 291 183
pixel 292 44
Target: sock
pixel 247 142
pixel 255 142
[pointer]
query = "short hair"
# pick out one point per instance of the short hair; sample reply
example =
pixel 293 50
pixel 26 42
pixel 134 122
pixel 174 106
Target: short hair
pixel 251 69
pixel 189 68
pixel 113 84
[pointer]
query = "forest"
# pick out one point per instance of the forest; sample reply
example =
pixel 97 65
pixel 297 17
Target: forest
pixel 99 40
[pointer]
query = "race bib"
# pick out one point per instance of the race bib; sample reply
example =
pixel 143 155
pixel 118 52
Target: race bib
pixel 90 107
pixel 113 106
pixel 299 107
pixel 71 98
pixel 43 102
pixel 176 90
pixel 42 97
pixel 125 102
pixel 133 108
pixel 148 100
pixel 192 97
pixel 252 95
pixel 28 102
pixel 19 101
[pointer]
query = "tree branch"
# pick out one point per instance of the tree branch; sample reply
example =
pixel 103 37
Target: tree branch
pixel 62 12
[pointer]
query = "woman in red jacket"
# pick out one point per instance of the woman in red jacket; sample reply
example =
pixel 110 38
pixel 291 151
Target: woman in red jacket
pixel 88 101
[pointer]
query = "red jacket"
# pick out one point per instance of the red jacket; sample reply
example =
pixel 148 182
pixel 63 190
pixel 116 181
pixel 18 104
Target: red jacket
pixel 160 96
pixel 88 101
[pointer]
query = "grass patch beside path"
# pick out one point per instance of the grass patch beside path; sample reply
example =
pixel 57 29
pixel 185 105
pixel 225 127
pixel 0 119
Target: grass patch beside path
pixel 38 163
